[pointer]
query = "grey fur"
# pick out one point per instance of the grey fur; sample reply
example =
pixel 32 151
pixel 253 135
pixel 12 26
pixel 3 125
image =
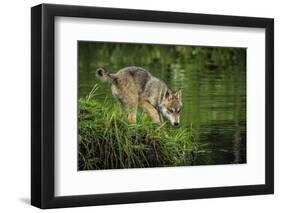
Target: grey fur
pixel 135 85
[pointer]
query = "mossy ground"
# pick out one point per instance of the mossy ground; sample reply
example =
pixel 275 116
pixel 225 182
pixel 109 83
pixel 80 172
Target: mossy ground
pixel 107 141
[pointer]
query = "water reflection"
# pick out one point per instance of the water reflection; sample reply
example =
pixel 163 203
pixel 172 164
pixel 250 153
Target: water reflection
pixel 213 81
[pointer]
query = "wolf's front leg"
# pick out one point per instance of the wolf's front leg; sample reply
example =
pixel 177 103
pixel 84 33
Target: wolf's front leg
pixel 147 107
pixel 155 117
pixel 132 115
pixel 161 117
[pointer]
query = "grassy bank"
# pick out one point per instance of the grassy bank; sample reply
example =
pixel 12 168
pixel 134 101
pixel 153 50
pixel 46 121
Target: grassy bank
pixel 107 141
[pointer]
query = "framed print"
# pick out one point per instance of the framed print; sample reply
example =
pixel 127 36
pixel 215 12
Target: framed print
pixel 140 106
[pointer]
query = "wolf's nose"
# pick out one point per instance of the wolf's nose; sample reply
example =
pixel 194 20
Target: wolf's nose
pixel 176 124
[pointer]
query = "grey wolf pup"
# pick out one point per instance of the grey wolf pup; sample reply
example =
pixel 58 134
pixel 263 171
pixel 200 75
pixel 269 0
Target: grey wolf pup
pixel 135 87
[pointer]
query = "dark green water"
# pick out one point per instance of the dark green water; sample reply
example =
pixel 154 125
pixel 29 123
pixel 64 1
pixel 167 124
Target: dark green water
pixel 213 81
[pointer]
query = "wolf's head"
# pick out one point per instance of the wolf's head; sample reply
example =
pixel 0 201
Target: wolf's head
pixel 171 106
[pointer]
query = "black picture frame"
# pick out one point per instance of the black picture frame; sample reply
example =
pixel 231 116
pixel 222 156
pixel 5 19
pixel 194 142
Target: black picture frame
pixel 43 102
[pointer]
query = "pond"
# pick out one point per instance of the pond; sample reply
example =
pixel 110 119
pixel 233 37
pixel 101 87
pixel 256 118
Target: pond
pixel 213 82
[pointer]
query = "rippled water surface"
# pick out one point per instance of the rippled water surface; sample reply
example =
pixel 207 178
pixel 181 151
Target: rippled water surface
pixel 213 81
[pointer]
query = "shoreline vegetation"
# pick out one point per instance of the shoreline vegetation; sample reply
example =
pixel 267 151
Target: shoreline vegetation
pixel 107 141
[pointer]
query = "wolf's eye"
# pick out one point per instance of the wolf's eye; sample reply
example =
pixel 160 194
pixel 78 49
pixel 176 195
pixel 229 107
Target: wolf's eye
pixel 171 110
pixel 178 110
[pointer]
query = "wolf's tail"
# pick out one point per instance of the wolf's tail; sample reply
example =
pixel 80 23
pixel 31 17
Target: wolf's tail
pixel 104 76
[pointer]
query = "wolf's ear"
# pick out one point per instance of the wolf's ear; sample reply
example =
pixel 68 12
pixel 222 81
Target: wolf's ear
pixel 168 94
pixel 177 94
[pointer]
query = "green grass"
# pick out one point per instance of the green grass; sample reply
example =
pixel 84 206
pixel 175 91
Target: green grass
pixel 108 141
